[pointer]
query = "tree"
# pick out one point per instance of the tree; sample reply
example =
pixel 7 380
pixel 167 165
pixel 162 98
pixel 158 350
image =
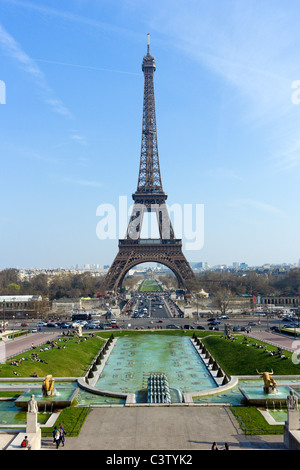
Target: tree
pixel 223 298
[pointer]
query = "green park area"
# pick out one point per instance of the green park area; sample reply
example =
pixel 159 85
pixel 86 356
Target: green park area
pixel 69 357
pixel 150 286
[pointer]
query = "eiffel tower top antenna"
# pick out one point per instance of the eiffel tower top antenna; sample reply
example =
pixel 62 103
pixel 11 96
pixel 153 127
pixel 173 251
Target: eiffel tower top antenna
pixel 148 46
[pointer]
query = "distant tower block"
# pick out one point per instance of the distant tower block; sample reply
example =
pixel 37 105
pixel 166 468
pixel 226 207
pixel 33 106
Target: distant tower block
pixel 149 197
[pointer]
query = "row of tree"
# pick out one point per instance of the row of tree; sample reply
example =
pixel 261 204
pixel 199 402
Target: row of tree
pixel 86 284
pixel 56 286
pixel 251 282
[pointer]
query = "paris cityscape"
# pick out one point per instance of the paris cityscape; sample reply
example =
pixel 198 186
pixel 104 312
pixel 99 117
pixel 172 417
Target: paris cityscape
pixel 150 263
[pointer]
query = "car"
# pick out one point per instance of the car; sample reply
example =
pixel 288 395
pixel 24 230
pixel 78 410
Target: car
pixel 200 327
pixel 252 323
pixel 274 328
pixel 34 330
pixel 51 325
pixel 216 328
pixel 24 324
pixel 91 326
pixel 65 325
pixel 188 327
pixel 235 328
pixel 172 326
pixel 41 323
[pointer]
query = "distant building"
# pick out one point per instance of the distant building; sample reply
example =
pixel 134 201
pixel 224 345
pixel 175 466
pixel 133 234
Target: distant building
pixel 23 305
pixel 278 300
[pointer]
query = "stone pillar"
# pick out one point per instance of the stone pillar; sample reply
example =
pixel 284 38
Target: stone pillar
pixel 292 422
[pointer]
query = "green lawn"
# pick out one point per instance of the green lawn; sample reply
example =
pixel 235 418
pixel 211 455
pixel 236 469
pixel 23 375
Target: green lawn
pixel 150 286
pixel 253 423
pixel 238 359
pixel 69 358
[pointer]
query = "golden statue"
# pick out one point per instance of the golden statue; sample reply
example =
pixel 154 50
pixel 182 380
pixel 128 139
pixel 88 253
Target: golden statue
pixel 48 386
pixel 270 384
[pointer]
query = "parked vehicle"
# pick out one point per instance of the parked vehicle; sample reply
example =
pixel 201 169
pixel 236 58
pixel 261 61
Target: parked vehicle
pixel 172 327
pixel 200 327
pixel 91 326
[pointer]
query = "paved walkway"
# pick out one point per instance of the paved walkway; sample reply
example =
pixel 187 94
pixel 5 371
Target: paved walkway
pixel 276 339
pixel 163 428
pixel 15 346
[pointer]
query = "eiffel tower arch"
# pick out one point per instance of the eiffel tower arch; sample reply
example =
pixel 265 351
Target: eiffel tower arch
pixel 149 197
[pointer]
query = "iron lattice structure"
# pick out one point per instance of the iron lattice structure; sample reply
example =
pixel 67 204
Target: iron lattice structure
pixel 149 197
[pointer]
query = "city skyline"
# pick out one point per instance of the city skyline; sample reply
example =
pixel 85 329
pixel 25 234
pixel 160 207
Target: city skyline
pixel 228 119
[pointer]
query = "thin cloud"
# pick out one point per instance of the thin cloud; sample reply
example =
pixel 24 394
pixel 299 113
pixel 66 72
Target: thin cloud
pixel 82 182
pixel 88 67
pixel 224 173
pixel 15 51
pixel 72 17
pixel 256 205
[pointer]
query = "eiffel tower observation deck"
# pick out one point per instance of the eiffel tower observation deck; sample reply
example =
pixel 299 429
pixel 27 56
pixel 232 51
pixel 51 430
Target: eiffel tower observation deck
pixel 149 197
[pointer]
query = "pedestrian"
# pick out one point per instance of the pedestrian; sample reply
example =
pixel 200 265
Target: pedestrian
pixel 62 434
pixel 56 437
pixel 226 446
pixel 24 443
pixel 214 446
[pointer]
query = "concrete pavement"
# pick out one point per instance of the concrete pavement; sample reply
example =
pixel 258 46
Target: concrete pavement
pixel 163 428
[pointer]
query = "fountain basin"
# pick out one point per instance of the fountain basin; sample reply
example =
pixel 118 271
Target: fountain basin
pixel 256 395
pixel 63 397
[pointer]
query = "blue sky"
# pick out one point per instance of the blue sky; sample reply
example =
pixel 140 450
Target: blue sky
pixel 70 127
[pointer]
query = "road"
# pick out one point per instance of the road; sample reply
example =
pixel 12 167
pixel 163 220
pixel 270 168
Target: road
pixel 23 343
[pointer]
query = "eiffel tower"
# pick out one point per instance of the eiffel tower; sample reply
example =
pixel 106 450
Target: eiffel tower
pixel 149 197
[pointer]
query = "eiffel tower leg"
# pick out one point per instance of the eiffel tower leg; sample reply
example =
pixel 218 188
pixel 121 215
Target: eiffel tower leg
pixel 132 253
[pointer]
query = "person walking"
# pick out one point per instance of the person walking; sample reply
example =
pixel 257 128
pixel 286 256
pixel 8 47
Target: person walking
pixel 62 434
pixel 56 437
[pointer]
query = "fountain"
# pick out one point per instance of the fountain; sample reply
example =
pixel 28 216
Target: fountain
pixel 48 386
pixel 270 386
pixel 48 396
pixel 158 389
pixel 271 394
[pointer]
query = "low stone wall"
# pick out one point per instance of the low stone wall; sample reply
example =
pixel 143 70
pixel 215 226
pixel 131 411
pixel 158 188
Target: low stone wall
pixel 231 381
pixel 34 441
pixel 291 438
